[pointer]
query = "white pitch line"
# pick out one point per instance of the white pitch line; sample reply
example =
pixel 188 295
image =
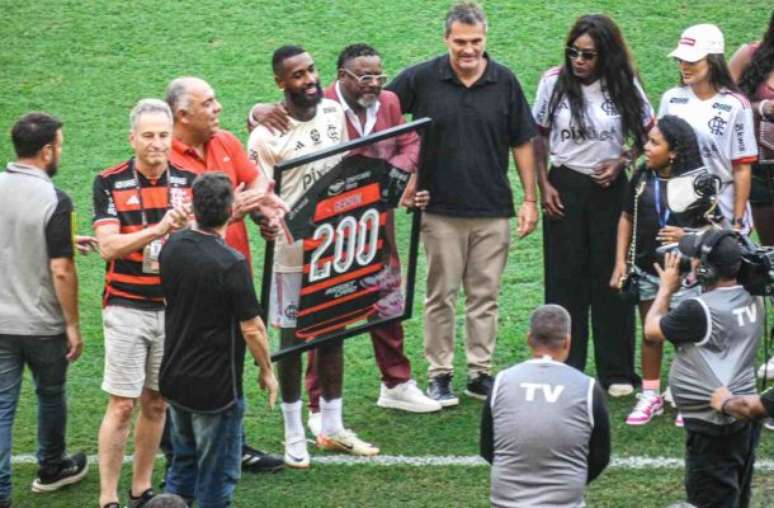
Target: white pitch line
pixel 626 463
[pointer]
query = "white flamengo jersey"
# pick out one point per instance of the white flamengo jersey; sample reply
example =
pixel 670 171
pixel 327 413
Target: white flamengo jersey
pixel 603 139
pixel 725 132
pixel 327 128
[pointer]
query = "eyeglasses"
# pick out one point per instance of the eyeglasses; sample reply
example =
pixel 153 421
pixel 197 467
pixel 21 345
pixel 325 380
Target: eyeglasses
pixel 583 54
pixel 381 79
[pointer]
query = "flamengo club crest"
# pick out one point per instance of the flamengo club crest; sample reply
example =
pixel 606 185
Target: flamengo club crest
pixel 608 107
pixel 717 125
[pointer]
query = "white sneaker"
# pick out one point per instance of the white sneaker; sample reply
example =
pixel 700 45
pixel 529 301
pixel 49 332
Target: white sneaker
pixel 620 389
pixel 314 422
pixel 296 454
pixel 646 408
pixel 767 369
pixel 348 442
pixel 668 397
pixel 407 397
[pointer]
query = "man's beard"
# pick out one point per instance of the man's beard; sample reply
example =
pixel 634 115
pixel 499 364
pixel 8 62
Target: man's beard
pixel 52 168
pixel 367 103
pixel 302 100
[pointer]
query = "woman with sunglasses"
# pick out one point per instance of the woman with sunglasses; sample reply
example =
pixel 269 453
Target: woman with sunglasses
pixel 671 151
pixel 708 99
pixel 588 109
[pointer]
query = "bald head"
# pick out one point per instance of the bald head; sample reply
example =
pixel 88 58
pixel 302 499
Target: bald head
pixel 180 90
pixel 194 107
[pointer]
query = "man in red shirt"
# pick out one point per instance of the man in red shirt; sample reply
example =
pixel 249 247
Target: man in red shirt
pixel 199 145
pixel 370 109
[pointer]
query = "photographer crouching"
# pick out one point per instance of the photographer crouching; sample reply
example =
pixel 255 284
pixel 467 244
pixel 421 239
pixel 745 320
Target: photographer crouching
pixel 716 336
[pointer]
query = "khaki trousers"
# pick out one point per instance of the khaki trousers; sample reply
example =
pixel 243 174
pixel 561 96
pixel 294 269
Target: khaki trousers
pixel 471 253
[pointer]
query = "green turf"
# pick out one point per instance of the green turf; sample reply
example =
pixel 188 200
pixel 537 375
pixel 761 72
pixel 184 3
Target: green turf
pixel 89 62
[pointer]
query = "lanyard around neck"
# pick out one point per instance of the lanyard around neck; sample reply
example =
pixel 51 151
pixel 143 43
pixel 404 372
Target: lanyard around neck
pixel 663 215
pixel 138 190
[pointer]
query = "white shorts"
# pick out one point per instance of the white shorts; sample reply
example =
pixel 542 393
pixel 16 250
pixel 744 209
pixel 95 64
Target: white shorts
pixel 284 299
pixel 134 347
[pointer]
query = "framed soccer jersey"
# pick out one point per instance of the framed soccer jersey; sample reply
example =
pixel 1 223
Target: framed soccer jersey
pixel 344 230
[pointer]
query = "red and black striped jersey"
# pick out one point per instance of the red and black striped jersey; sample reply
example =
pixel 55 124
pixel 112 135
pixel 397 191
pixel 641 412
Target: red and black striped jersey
pixel 342 220
pixel 118 200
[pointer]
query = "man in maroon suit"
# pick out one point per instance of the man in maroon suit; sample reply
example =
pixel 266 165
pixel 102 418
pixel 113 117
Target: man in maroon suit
pixel 370 109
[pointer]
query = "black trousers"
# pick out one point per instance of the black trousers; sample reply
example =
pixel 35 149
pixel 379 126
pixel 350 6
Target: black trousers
pixel 579 257
pixel 719 469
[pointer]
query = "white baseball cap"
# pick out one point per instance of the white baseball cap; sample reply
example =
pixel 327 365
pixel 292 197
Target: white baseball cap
pixel 699 41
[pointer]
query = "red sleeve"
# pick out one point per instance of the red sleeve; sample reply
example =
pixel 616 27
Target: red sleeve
pixel 407 156
pixel 752 159
pixel 246 171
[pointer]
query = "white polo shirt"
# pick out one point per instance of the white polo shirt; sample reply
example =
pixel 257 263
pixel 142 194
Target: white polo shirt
pixel 604 138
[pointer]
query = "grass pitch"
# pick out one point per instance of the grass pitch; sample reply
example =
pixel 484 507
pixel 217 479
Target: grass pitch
pixel 89 62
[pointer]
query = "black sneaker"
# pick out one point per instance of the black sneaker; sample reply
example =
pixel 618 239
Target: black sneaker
pixel 5 504
pixel 141 500
pixel 256 461
pixel 481 387
pixel 440 390
pixel 71 470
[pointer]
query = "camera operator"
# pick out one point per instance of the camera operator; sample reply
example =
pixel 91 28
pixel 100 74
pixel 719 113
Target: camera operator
pixel 716 335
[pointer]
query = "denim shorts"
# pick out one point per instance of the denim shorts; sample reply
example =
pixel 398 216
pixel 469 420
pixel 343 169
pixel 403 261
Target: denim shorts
pixel 649 287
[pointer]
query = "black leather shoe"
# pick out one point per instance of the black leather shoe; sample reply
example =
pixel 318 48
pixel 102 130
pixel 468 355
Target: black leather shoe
pixel 256 461
pixel 481 387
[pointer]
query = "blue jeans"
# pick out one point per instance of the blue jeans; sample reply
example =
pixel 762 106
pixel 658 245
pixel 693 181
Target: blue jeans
pixel 207 460
pixel 46 357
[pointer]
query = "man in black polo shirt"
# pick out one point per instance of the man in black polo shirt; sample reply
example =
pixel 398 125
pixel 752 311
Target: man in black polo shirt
pixel 210 300
pixel 479 114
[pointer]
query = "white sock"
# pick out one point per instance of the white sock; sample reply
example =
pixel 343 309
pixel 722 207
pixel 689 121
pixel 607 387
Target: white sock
pixel 650 393
pixel 291 414
pixel 331 422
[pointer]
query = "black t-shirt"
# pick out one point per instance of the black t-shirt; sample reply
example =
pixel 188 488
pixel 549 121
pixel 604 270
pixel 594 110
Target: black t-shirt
pixel 465 151
pixel 208 291
pixel 648 222
pixel 685 323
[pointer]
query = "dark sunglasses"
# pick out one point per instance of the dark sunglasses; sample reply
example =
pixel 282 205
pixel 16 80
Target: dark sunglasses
pixel 583 54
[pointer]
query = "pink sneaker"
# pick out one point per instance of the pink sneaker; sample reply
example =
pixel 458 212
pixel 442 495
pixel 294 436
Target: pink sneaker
pixel 647 407
pixel 679 420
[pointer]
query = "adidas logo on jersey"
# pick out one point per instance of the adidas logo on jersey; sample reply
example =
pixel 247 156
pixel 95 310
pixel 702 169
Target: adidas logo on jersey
pixel 133 200
pixel 300 145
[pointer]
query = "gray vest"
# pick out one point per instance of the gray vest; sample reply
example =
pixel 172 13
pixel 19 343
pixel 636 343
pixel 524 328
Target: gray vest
pixel 542 418
pixel 724 357
pixel 28 303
